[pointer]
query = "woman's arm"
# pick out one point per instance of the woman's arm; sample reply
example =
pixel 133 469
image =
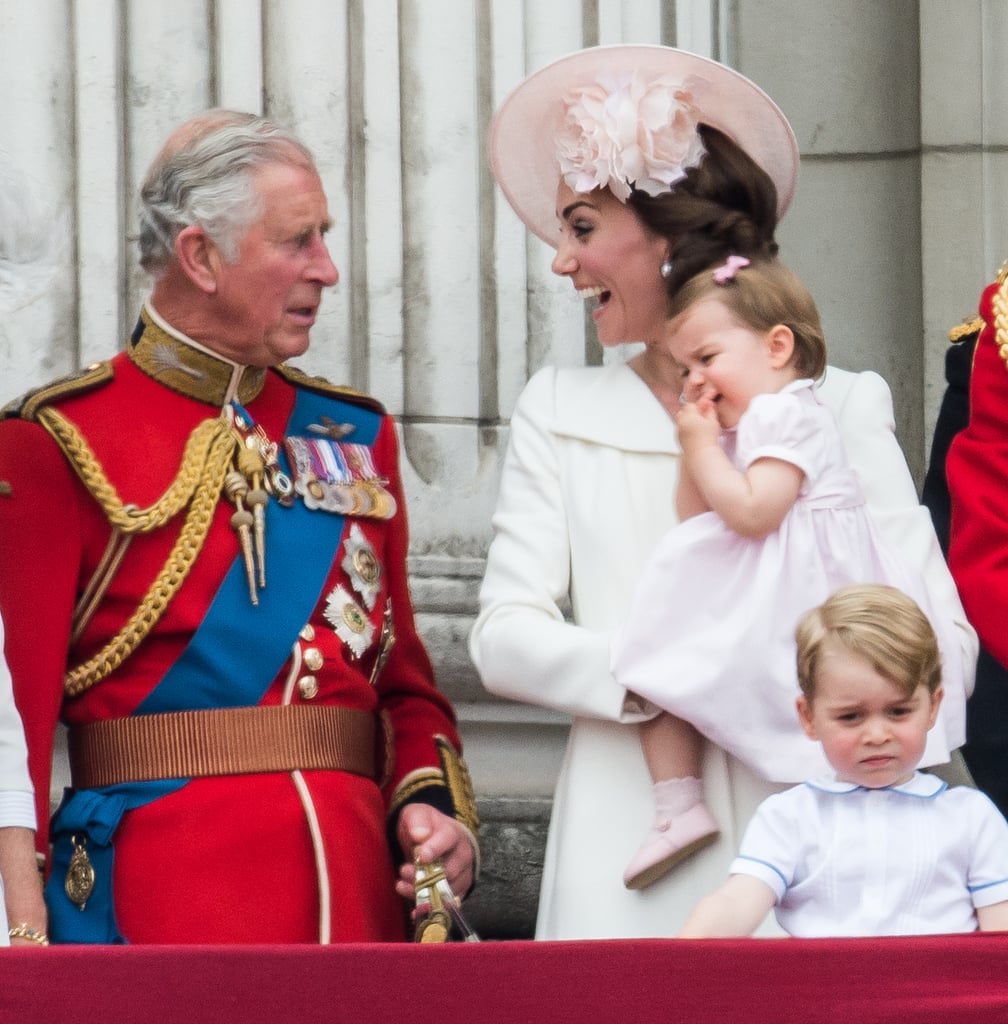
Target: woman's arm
pixel 521 643
pixel 22 883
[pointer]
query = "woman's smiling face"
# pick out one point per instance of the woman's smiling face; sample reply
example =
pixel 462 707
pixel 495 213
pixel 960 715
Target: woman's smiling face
pixel 612 259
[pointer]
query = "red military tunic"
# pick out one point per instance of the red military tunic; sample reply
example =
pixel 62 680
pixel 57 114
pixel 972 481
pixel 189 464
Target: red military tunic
pixel 282 856
pixel 977 472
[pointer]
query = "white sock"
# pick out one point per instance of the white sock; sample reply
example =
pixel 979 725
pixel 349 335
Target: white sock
pixel 673 796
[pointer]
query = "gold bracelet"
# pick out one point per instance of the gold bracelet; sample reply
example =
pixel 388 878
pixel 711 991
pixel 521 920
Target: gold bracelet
pixel 25 931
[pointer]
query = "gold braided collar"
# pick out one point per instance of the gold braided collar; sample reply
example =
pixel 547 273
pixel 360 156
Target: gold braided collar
pixel 170 358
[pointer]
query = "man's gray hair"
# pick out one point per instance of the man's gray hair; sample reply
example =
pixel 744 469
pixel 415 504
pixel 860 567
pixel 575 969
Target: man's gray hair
pixel 204 175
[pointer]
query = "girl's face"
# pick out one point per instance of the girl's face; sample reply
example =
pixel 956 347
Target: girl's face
pixel 613 261
pixel 871 733
pixel 726 362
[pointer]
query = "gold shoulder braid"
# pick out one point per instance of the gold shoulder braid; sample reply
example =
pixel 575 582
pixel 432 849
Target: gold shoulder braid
pixel 1000 308
pixel 321 386
pixel 28 404
pixel 971 326
pixel 200 480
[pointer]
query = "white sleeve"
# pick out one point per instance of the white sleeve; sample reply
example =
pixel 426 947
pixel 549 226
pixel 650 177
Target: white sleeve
pixel 862 404
pixel 769 845
pixel 17 803
pixel 521 644
pixel 988 868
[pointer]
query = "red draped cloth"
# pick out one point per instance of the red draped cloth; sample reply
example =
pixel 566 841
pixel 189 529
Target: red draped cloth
pixel 949 979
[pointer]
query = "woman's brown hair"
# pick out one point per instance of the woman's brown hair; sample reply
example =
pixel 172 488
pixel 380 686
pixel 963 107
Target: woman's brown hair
pixel 727 204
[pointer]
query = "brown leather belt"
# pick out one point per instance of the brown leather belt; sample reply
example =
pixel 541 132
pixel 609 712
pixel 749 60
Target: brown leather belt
pixel 222 741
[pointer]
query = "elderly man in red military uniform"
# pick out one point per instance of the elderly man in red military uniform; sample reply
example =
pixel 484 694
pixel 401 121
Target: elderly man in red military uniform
pixel 204 576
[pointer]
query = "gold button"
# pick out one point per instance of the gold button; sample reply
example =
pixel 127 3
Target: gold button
pixel 308 633
pixel 308 687
pixel 313 658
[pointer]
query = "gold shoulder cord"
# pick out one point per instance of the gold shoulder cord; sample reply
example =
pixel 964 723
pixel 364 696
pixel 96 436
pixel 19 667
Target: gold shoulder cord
pixel 1000 307
pixel 199 482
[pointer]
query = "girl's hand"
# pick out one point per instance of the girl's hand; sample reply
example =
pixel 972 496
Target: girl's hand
pixel 697 423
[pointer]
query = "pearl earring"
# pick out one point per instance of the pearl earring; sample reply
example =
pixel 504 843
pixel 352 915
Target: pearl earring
pixel 666 269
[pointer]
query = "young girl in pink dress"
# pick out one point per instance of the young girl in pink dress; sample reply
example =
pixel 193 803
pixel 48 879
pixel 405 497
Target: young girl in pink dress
pixel 772 523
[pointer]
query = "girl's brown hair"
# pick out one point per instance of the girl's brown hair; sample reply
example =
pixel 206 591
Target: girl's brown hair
pixel 761 295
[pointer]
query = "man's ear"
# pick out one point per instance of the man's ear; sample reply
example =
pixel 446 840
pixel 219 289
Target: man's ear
pixel 198 258
pixel 805 717
pixel 780 343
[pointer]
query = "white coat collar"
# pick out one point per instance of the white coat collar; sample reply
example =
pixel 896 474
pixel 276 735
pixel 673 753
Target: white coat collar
pixel 612 406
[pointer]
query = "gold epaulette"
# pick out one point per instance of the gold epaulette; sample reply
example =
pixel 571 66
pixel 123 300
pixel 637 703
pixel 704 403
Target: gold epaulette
pixel 1002 273
pixel 27 406
pixel 971 326
pixel 320 385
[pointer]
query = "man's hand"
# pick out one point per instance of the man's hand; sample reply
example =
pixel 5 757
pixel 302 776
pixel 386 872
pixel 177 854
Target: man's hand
pixel 430 835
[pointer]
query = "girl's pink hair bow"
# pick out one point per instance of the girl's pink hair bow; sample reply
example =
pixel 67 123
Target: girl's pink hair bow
pixel 731 266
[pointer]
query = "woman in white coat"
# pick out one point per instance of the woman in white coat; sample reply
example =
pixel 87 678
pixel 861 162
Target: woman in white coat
pixel 641 165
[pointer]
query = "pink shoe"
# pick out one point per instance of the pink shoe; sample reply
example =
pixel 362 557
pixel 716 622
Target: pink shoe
pixel 670 841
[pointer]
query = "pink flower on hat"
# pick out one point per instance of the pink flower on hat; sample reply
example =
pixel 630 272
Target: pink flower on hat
pixel 622 132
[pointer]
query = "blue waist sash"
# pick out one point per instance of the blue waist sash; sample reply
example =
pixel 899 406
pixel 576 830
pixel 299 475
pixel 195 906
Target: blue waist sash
pixel 230 661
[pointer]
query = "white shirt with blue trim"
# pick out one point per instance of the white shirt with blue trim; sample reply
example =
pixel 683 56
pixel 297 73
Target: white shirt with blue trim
pixel 844 860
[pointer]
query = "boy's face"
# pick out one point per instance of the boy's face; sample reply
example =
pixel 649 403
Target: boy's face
pixel 871 733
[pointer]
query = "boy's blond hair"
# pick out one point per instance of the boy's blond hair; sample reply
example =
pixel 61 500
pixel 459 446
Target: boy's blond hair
pixel 878 623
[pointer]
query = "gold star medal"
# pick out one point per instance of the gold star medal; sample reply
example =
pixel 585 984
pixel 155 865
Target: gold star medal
pixel 349 621
pixel 362 566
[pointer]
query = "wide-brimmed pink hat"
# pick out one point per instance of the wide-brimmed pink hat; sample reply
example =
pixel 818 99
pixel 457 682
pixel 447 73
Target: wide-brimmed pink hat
pixel 627 115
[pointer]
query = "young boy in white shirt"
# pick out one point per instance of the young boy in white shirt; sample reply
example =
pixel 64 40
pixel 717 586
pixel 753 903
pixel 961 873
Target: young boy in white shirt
pixel 877 848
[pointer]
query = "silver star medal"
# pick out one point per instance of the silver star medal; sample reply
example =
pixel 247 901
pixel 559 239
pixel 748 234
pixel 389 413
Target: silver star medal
pixel 349 620
pixel 362 566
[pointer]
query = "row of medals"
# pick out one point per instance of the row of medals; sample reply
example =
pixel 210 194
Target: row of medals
pixel 355 491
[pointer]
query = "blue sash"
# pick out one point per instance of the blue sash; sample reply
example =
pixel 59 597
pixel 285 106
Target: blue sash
pixel 230 661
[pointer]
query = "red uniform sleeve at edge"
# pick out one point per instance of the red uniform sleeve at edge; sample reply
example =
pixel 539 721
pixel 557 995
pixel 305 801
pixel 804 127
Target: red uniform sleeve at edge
pixel 39 560
pixel 977 472
pixel 406 687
